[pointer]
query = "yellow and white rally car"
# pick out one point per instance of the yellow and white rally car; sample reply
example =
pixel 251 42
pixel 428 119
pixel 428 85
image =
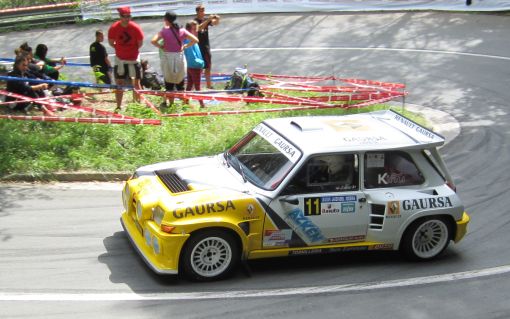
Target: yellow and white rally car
pixel 297 186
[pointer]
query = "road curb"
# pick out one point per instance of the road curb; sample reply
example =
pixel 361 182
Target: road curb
pixel 67 177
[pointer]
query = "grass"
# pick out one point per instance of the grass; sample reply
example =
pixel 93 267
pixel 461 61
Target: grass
pixel 36 148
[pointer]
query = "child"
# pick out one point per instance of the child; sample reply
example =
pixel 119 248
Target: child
pixel 194 61
pixel 151 80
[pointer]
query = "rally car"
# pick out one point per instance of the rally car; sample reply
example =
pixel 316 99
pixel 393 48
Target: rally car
pixel 297 186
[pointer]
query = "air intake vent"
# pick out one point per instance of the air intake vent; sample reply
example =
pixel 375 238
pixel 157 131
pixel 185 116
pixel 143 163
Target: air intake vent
pixel 377 216
pixel 172 181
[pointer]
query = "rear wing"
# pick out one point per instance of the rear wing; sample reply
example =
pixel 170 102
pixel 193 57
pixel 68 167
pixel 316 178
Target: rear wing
pixel 421 135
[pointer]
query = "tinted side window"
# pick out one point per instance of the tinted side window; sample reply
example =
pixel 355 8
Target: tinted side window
pixel 391 169
pixel 326 173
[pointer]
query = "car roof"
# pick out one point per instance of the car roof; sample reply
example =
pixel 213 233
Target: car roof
pixel 379 130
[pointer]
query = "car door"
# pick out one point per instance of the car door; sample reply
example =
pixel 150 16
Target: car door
pixel 321 204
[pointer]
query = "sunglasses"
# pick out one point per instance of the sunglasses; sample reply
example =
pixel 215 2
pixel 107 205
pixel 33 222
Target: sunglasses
pixel 125 16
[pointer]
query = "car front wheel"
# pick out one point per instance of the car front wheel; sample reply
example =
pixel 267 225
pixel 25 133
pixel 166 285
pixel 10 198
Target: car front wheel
pixel 210 255
pixel 426 238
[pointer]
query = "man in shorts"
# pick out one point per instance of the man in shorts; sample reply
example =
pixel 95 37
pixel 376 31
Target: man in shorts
pixel 126 37
pixel 203 39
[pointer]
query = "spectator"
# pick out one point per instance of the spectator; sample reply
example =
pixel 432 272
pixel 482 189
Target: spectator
pixel 99 60
pixel 194 61
pixel 20 68
pixel 173 63
pixel 34 66
pixel 50 67
pixel 151 80
pixel 203 37
pixel 127 38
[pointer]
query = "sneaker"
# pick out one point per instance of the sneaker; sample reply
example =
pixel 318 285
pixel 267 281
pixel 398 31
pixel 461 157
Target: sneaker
pixel 28 108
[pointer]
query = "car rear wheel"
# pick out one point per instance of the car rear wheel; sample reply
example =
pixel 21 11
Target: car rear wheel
pixel 426 238
pixel 210 255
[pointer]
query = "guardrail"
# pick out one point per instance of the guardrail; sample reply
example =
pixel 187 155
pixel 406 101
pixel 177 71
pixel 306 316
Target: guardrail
pixel 70 12
pixel 38 16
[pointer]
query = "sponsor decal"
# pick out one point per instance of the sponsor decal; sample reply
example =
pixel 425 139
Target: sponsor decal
pixel 426 203
pixel 203 209
pixel 348 208
pixel 304 227
pixel 382 247
pixel 327 250
pixel 346 238
pixel 365 140
pixel 347 249
pixel 375 160
pixel 314 206
pixel 347 125
pixel 393 209
pixel 305 252
pixel 385 179
pixel 277 237
pixel 285 147
pixel 279 142
pixel 413 126
pixel 250 209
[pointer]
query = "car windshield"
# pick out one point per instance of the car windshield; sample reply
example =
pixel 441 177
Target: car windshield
pixel 263 157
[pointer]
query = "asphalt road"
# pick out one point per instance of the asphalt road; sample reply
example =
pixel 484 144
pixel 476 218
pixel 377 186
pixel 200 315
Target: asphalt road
pixel 63 253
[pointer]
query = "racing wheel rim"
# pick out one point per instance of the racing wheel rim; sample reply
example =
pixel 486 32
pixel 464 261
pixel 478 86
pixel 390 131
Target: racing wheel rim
pixel 211 257
pixel 430 238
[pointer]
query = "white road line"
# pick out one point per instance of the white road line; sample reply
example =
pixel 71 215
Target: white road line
pixel 360 287
pixel 478 55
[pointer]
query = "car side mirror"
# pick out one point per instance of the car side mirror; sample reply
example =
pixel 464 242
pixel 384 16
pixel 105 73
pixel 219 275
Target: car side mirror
pixel 293 200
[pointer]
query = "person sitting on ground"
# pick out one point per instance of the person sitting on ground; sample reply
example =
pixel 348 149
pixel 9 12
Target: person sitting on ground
pixel 25 88
pixel 34 67
pixel 151 80
pixel 50 68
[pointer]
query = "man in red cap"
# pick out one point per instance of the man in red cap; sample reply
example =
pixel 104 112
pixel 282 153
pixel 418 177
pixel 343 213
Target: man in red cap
pixel 126 37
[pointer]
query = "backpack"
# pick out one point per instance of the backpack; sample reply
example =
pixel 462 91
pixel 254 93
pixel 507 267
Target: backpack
pixel 240 79
pixel 152 81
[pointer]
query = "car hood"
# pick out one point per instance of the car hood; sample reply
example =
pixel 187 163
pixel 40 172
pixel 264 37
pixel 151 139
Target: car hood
pixel 188 189
pixel 195 174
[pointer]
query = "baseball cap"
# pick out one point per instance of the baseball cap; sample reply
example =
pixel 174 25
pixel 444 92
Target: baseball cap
pixel 124 11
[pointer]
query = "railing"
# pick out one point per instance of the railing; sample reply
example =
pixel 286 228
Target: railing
pixel 38 16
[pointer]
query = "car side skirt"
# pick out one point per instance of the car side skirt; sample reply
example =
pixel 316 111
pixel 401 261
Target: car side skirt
pixel 324 249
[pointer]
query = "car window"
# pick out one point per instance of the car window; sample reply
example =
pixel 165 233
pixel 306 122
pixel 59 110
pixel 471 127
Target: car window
pixel 325 173
pixel 391 169
pixel 263 157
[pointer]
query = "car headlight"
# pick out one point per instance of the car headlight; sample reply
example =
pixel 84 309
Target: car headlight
pixel 157 215
pixel 139 210
pixel 148 237
pixel 125 197
pixel 155 245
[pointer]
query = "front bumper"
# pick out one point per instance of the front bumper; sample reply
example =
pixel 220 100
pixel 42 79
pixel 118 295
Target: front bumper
pixel 461 227
pixel 159 250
